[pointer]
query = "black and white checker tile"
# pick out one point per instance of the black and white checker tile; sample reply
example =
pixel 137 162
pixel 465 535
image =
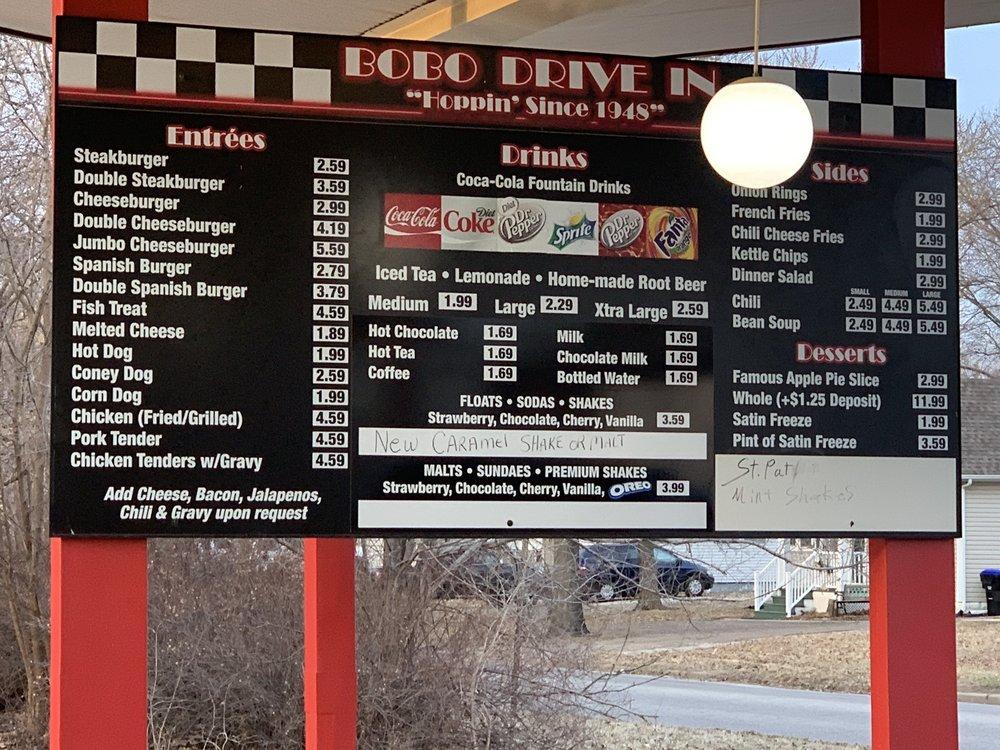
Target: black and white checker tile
pixel 880 106
pixel 155 58
pixel 158 58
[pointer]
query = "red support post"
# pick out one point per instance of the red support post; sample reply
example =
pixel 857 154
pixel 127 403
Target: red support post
pixel 913 664
pixel 904 37
pixel 913 677
pixel 114 10
pixel 331 686
pixel 98 695
pixel 98 645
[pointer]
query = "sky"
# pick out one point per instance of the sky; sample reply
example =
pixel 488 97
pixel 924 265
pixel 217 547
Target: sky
pixel 970 56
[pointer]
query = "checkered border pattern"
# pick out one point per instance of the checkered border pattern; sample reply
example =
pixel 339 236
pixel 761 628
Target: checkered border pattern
pixel 870 105
pixel 163 59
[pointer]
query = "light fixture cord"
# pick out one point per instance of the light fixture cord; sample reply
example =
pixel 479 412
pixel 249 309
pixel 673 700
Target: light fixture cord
pixel 756 38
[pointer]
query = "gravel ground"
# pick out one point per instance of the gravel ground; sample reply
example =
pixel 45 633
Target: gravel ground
pixel 626 735
pixel 816 661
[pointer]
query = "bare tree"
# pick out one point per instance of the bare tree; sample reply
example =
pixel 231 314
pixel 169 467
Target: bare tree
pixel 979 241
pixel 649 583
pixel 567 609
pixel 25 284
pixel 454 648
pixel 784 57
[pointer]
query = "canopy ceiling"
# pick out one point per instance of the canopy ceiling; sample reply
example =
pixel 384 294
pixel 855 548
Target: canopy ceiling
pixel 642 27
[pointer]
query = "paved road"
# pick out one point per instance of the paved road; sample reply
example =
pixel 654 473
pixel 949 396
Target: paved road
pixel 837 717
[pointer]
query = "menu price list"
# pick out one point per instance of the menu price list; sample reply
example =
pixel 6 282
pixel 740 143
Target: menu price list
pixel 331 313
pixel 579 344
pixel 572 411
pixel 798 266
pixel 169 343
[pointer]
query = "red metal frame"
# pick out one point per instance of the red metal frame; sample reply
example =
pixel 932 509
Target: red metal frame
pixel 913 678
pixel 119 10
pixel 331 687
pixel 98 638
pixel 913 664
pixel 903 37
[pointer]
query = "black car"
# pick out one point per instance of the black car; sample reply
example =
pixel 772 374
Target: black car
pixel 485 574
pixel 611 571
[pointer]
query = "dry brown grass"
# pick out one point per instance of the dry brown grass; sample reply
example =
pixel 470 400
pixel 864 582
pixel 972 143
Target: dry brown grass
pixel 816 661
pixel 979 655
pixel 615 618
pixel 623 735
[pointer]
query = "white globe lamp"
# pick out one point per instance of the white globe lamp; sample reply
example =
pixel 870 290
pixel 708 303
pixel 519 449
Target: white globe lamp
pixel 756 133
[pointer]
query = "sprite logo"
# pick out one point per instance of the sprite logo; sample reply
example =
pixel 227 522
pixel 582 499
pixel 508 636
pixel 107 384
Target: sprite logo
pixel 579 228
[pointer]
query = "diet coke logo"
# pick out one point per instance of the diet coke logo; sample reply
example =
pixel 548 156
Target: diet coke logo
pixel 478 221
pixel 413 221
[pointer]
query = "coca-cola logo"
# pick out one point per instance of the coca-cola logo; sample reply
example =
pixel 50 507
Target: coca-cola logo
pixel 420 220
pixel 521 223
pixel 413 221
pixel 621 229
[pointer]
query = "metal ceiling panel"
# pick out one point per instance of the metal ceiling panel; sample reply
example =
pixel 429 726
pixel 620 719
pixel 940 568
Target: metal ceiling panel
pixel 644 27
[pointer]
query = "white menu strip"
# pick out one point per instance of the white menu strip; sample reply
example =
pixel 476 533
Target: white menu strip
pixel 827 493
pixel 479 443
pixel 484 514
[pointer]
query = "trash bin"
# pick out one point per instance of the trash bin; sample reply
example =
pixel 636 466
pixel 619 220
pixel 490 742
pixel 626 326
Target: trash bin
pixel 990 578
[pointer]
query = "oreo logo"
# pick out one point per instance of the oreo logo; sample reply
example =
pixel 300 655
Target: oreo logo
pixel 618 491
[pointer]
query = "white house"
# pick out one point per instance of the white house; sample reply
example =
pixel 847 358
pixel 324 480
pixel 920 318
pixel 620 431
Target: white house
pixel 732 562
pixel 979 546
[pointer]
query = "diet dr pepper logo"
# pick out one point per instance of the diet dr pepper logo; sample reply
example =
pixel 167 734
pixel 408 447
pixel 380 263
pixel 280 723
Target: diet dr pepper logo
pixel 413 221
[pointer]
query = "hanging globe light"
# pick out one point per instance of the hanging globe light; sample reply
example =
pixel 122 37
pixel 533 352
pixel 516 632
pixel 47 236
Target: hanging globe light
pixel 756 133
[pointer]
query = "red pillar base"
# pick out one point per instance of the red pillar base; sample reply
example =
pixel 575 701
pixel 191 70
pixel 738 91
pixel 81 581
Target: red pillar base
pixel 331 686
pixel 914 690
pixel 98 636
pixel 913 670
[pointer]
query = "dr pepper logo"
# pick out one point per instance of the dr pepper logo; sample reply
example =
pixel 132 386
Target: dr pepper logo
pixel 412 220
pixel 622 228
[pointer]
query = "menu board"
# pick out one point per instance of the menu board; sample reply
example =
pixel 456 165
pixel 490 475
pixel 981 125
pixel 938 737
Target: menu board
pixel 309 285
